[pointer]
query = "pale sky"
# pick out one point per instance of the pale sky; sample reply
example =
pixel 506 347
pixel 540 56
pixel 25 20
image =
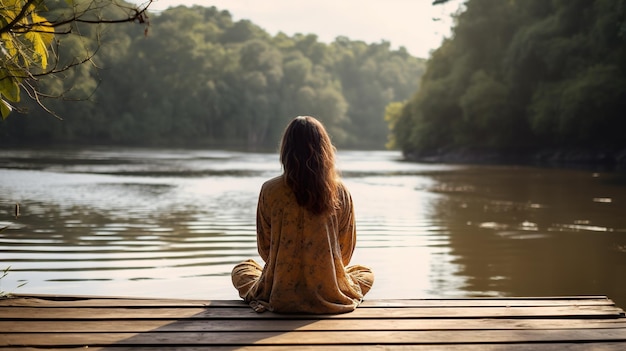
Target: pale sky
pixel 407 23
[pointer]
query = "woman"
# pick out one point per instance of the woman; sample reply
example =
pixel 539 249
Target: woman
pixel 305 233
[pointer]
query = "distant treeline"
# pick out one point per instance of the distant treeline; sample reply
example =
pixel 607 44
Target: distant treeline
pixel 519 77
pixel 200 78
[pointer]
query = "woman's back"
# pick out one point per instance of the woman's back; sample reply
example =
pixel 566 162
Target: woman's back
pixel 305 253
pixel 305 233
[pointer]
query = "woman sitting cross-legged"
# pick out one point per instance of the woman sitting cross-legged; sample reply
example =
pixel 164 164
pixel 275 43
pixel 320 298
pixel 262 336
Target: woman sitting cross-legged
pixel 306 233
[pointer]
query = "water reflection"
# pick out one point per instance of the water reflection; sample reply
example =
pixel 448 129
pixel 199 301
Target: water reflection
pixel 172 223
pixel 534 232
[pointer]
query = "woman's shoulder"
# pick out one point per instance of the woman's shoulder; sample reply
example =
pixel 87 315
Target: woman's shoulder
pixel 274 183
pixel 275 189
pixel 343 193
pixel 275 180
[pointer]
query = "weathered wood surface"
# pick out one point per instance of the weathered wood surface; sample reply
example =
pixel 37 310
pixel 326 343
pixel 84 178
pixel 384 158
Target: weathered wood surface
pixel 40 322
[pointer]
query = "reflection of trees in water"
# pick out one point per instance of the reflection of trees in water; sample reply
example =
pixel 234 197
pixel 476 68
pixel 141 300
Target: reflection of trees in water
pixel 525 231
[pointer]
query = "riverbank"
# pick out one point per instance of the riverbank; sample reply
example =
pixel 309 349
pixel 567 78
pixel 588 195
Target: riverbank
pixel 550 157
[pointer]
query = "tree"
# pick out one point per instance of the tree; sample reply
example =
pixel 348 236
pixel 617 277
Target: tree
pixel 521 76
pixel 202 79
pixel 28 29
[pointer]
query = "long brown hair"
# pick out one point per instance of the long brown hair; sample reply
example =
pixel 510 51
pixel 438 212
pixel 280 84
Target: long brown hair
pixel 308 159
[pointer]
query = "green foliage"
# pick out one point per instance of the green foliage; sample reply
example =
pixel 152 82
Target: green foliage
pixel 484 107
pixel 200 78
pixel 33 33
pixel 523 74
pixel 24 38
pixel 585 108
pixel 393 111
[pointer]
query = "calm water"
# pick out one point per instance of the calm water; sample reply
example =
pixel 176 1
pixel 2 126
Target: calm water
pixel 172 223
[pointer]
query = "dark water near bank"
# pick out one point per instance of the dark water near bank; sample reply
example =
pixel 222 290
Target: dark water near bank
pixel 172 223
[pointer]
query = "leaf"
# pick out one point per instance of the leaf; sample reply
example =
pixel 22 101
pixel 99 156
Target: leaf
pixel 9 11
pixel 5 108
pixel 39 36
pixel 10 89
pixel 9 43
pixel 43 27
pixel 40 52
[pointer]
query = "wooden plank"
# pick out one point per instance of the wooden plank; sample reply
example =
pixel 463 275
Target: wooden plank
pixel 608 346
pixel 489 302
pixel 486 324
pixel 105 303
pixel 13 313
pixel 191 325
pixel 313 338
pixel 69 301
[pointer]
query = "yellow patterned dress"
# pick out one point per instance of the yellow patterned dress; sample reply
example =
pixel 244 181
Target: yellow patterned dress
pixel 306 257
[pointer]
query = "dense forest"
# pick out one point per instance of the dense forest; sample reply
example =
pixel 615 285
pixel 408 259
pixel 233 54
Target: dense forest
pixel 199 78
pixel 522 78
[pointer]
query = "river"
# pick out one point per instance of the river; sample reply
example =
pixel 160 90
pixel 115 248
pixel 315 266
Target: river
pixel 173 222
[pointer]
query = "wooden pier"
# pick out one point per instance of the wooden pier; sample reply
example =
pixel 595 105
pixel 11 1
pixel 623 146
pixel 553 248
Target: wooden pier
pixel 46 322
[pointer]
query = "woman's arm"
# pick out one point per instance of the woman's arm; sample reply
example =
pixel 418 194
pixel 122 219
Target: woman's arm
pixel 347 227
pixel 263 231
